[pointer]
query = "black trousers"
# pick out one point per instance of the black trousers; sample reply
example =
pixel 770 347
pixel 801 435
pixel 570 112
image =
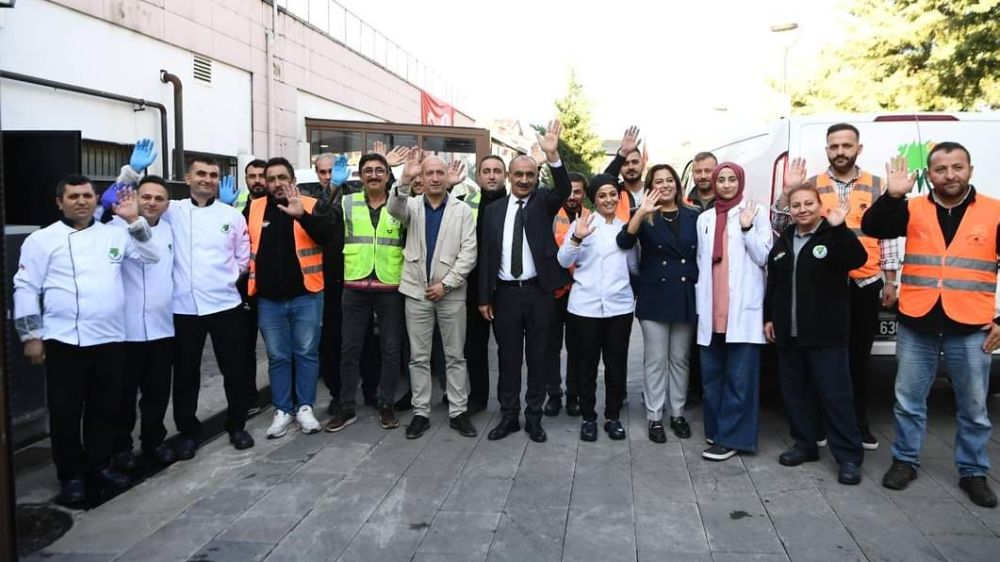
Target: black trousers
pixel 477 349
pixel 227 329
pixel 356 336
pixel 594 338
pixel 250 333
pixel 554 354
pixel 147 370
pixel 865 304
pixel 329 343
pixel 815 379
pixel 83 389
pixel 522 316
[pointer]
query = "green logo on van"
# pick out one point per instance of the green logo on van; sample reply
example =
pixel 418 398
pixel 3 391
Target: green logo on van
pixel 916 160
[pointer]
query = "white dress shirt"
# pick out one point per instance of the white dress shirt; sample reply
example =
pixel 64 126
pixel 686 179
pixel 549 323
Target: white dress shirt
pixel 528 269
pixel 211 249
pixel 601 284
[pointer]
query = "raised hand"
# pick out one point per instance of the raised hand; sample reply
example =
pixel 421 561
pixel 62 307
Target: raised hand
pixel 899 181
pixel 340 172
pixel 549 142
pixel 747 215
pixel 584 226
pixel 795 174
pixel 228 189
pixel 651 201
pixel 630 141
pixel 127 206
pixel 837 215
pixel 143 155
pixel 379 148
pixel 110 196
pixel 414 157
pixel 456 172
pixel 396 156
pixel 537 154
pixel 294 206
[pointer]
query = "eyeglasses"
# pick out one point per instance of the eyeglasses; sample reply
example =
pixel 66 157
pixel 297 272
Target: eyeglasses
pixel 373 171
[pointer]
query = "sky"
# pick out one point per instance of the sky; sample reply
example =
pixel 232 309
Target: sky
pixel 687 73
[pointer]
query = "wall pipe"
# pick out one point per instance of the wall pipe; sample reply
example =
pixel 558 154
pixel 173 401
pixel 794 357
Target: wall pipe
pixel 173 80
pixel 101 94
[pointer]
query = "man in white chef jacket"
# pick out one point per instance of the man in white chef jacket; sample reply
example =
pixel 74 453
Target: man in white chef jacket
pixel 78 329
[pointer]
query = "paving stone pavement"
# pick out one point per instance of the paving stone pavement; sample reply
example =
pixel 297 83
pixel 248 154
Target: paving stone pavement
pixel 370 494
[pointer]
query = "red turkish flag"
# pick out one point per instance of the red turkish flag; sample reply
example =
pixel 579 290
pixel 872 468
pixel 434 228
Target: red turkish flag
pixel 434 111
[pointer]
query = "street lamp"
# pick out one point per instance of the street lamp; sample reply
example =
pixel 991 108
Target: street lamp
pixel 784 28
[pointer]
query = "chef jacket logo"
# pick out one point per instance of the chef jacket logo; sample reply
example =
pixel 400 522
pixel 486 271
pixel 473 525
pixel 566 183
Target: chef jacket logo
pixel 819 252
pixel 225 228
pixel 115 255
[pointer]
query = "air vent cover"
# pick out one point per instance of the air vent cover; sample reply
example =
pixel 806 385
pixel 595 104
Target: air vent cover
pixel 203 69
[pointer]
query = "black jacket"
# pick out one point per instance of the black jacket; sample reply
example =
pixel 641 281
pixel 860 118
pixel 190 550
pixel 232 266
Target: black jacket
pixel 539 212
pixel 823 305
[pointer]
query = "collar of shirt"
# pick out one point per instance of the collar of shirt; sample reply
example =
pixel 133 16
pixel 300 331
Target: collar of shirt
pixel 854 178
pixel 798 234
pixel 514 199
pixel 70 224
pixel 970 196
pixel 429 207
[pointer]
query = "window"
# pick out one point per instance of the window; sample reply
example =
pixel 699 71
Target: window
pixel 101 160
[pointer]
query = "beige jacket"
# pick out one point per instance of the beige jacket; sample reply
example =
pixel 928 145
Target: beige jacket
pixel 454 253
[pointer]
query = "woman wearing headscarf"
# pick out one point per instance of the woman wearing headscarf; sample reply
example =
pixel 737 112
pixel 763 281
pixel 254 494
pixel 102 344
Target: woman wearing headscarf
pixel 807 313
pixel 600 306
pixel 734 239
pixel 665 304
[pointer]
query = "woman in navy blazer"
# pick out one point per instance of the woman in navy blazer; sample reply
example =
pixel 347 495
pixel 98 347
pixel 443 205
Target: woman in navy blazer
pixel 666 231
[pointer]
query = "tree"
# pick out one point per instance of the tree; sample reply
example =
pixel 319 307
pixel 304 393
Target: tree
pixel 579 146
pixel 930 55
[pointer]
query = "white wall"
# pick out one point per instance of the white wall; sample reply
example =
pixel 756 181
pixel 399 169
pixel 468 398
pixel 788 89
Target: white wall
pixel 46 40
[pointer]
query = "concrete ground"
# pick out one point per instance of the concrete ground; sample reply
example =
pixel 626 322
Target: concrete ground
pixel 370 494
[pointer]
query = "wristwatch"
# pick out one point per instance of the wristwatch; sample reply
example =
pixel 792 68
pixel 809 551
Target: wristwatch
pixel 447 288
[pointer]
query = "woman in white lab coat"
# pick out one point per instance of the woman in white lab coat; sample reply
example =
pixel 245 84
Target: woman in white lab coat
pixel 734 240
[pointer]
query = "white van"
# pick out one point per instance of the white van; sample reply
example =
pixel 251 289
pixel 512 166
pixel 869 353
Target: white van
pixel 764 152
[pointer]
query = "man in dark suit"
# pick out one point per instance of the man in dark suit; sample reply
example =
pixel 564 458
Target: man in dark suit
pixel 518 275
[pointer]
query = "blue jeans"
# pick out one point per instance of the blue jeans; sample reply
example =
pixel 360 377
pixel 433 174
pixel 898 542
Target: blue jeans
pixel 291 331
pixel 968 367
pixel 730 375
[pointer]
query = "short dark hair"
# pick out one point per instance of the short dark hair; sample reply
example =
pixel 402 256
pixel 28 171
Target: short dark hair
pixel 207 160
pixel 946 147
pixel 154 179
pixel 837 127
pixel 255 163
pixel 279 161
pixel 705 156
pixel 578 177
pixel 372 156
pixel 72 179
pixel 492 157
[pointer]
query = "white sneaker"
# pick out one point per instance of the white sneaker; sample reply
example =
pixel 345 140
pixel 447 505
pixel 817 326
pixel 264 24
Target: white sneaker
pixel 279 427
pixel 306 420
pixel 821 443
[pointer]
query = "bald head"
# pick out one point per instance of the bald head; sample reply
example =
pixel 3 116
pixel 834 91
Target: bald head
pixel 324 169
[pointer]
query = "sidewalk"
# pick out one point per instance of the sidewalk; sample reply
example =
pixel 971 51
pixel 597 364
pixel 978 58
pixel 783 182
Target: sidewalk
pixel 370 494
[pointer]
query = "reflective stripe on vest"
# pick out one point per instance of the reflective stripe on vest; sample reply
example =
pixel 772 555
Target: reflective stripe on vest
pixel 560 227
pixel 472 200
pixel 963 275
pixel 309 254
pixel 367 248
pixel 863 193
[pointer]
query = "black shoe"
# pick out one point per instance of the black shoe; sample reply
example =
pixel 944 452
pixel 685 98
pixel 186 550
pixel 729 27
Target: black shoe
pixel 614 429
pixel 504 428
pixel 475 408
pixel 656 432
pixel 979 491
pixel 899 475
pixel 552 406
pixel 72 491
pixel 572 406
pixel 185 448
pixel 418 425
pixel 535 431
pixel 331 409
pixel 240 439
pixel 405 403
pixel 588 431
pixel 463 425
pixel 341 419
pixel 161 454
pixel 795 457
pixel 680 427
pixel 110 478
pixel 718 453
pixel 868 441
pixel 849 474
pixel 124 461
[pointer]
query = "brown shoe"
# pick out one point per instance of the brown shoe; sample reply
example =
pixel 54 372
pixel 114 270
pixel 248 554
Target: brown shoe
pixel 340 420
pixel 387 417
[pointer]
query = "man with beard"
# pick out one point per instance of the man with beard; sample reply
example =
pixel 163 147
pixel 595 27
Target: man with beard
pixel 843 181
pixel 570 210
pixel 253 173
pixel 491 177
pixel 702 195
pixel 629 162
pixel 947 309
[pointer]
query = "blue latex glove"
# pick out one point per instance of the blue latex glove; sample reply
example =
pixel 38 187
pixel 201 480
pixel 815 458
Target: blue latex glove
pixel 110 196
pixel 143 155
pixel 228 190
pixel 340 172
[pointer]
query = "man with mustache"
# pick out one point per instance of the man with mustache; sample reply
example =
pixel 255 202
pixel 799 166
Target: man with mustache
pixel 702 195
pixel 843 181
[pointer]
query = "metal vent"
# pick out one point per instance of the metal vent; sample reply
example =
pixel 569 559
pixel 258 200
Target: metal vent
pixel 203 69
